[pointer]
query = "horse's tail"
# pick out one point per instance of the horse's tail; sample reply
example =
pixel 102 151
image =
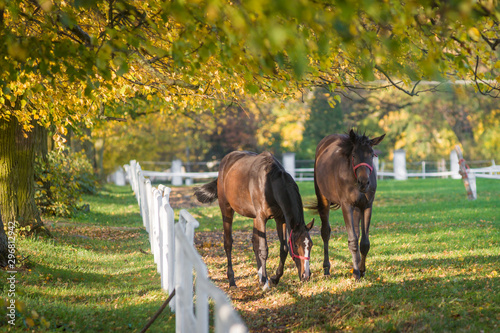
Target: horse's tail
pixel 207 193
pixel 315 206
pixel 312 206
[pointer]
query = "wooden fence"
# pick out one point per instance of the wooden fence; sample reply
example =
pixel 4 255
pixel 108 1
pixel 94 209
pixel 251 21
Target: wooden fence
pixel 176 258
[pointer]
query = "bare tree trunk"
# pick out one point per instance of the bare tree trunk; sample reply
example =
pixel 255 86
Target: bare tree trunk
pixel 17 190
pixel 99 155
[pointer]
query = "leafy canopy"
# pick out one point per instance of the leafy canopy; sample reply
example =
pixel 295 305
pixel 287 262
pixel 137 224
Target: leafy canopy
pixel 84 60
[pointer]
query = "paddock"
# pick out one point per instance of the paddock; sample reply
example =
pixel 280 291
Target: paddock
pixel 433 265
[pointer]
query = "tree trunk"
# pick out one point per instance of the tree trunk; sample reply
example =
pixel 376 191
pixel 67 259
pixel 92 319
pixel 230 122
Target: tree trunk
pixel 99 156
pixel 17 190
pixel 4 251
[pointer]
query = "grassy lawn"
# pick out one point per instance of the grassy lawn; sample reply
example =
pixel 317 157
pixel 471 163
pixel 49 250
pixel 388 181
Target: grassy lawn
pixel 93 275
pixel 433 266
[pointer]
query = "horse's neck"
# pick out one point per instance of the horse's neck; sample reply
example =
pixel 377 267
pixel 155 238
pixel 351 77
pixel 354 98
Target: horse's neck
pixel 291 212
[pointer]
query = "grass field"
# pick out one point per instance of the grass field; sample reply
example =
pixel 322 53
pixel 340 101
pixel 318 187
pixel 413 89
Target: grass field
pixel 433 266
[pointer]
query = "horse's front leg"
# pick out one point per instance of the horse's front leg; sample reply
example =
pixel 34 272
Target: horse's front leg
pixel 281 229
pixel 351 219
pixel 260 249
pixel 365 239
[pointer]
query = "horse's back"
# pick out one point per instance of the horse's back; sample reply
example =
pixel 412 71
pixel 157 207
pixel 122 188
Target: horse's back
pixel 326 142
pixel 242 177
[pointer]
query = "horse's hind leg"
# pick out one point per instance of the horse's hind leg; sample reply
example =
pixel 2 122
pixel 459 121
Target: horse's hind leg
pixel 280 227
pixel 324 211
pixel 364 244
pixel 227 220
pixel 261 250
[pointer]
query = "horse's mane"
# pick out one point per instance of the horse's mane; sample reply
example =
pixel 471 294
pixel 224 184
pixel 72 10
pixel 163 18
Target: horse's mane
pixel 353 138
pixel 286 187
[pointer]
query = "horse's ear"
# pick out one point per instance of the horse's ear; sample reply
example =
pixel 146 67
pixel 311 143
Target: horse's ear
pixel 376 141
pixel 310 225
pixel 352 135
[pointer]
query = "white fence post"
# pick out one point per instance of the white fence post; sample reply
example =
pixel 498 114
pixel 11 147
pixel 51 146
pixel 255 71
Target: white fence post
pixel 176 257
pixel 176 168
pixel 156 227
pixel 400 172
pixel 376 164
pixel 134 182
pixel 148 189
pixel 185 320
pixel 168 248
pixel 454 166
pixel 289 163
pixel 143 197
pixel 226 318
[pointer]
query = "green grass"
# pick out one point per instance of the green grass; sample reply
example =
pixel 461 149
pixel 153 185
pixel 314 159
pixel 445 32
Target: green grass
pixel 433 267
pixel 92 275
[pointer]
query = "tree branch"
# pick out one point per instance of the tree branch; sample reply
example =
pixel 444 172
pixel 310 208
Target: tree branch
pixel 486 93
pixel 493 43
pixel 410 93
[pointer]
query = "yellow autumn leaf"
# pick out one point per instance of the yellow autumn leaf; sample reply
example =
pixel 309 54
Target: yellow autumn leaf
pixel 20 306
pixel 474 34
pixel 44 322
pixel 34 314
pixel 30 322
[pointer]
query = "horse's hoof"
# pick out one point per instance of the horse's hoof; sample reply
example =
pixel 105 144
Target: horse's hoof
pixel 356 274
pixel 362 274
pixel 266 286
pixel 274 280
pixel 326 271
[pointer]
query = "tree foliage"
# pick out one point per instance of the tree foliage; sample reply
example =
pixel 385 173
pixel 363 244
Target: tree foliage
pixel 60 181
pixel 92 57
pixel 325 117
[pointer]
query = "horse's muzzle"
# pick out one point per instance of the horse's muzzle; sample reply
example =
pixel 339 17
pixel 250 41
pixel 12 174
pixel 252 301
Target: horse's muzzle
pixel 363 186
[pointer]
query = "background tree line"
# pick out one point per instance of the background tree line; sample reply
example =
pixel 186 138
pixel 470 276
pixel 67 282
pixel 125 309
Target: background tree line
pixel 427 127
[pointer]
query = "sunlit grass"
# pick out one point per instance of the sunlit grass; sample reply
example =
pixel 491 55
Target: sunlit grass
pixel 433 267
pixel 94 274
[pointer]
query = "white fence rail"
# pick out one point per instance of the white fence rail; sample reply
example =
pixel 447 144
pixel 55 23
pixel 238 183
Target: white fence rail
pixel 307 174
pixel 176 258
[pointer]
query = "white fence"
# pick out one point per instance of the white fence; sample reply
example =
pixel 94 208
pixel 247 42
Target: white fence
pixel 398 170
pixel 176 258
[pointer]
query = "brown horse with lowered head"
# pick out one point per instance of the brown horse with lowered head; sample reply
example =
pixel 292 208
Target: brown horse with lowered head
pixel 344 177
pixel 257 186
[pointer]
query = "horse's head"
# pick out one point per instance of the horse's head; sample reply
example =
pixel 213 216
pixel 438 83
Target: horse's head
pixel 361 158
pixel 300 245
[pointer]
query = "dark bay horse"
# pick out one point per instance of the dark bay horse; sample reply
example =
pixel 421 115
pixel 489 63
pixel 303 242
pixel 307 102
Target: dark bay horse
pixel 257 186
pixel 344 178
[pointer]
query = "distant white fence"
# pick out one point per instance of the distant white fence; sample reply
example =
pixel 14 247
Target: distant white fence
pixel 399 170
pixel 176 258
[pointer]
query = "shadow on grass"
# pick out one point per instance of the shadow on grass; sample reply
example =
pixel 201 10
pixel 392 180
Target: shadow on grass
pixel 459 302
